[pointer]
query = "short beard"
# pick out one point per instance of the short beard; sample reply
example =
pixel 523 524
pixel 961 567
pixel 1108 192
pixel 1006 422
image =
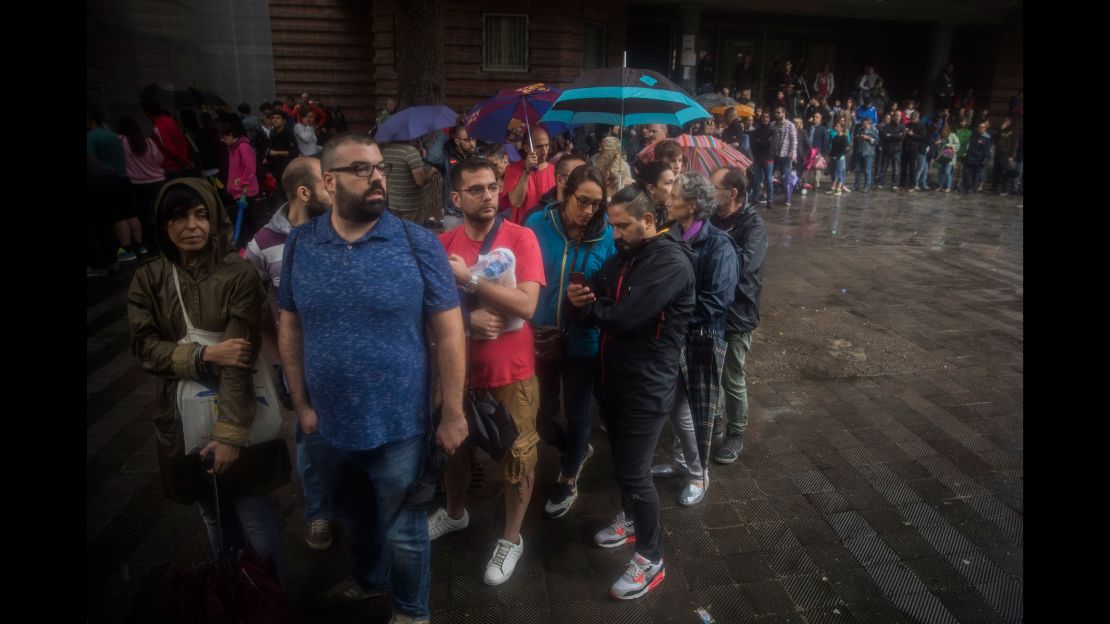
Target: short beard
pixel 359 209
pixel 315 206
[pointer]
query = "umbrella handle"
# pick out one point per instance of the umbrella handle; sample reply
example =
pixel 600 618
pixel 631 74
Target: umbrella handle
pixel 209 461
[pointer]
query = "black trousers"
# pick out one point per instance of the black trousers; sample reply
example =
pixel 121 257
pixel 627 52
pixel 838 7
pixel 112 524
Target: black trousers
pixel 633 436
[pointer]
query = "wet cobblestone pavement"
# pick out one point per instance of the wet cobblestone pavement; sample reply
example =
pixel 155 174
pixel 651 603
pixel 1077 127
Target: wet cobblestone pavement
pixel 882 479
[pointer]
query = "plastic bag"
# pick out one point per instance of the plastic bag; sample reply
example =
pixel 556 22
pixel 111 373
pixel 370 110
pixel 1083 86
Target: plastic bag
pixel 499 266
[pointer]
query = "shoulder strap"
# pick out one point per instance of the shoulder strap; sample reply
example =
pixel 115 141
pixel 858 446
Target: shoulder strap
pixel 180 299
pixel 488 242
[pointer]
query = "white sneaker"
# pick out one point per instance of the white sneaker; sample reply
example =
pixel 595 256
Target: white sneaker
pixel 620 532
pixel 440 524
pixel 503 562
pixel 639 578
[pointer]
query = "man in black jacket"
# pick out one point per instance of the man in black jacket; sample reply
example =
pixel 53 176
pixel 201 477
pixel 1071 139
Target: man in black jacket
pixel 642 300
pixel 914 145
pixel 741 221
pixel 892 137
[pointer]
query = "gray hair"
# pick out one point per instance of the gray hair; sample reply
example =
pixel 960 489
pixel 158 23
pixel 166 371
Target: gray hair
pixel 698 189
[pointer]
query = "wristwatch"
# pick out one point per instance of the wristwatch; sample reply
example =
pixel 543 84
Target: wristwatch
pixel 472 284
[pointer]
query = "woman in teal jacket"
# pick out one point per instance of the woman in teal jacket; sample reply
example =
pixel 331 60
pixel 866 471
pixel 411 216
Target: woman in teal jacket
pixel 574 237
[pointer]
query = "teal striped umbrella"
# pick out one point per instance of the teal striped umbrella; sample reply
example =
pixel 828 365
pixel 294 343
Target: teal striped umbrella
pixel 623 96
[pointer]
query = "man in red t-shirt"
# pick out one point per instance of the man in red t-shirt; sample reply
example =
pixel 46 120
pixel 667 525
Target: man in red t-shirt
pixel 529 178
pixel 502 359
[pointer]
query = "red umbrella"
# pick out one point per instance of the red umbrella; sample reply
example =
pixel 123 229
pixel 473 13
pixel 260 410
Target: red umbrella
pixel 703 154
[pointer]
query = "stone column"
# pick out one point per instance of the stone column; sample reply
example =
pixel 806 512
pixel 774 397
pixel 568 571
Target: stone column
pixel 939 54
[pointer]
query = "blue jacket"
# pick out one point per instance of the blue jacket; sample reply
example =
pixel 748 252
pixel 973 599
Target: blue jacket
pixel 558 252
pixel 716 273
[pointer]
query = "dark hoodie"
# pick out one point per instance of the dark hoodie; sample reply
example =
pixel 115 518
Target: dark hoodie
pixel 645 300
pixel 748 233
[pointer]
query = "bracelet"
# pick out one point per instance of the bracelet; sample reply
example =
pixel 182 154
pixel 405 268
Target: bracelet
pixel 202 366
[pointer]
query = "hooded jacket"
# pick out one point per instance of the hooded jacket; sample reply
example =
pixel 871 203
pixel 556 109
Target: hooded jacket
pixel 716 271
pixel 644 303
pixel 748 233
pixel 562 256
pixel 241 165
pixel 222 293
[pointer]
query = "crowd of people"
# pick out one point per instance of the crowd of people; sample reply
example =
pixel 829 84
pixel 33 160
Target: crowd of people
pixel 242 153
pixel 567 272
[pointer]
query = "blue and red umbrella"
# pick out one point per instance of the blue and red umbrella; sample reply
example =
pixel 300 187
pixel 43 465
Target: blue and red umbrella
pixel 511 113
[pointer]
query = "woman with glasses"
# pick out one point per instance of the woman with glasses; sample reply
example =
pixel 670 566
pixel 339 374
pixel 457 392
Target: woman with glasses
pixel 575 238
pixel 716 273
pixel 198 281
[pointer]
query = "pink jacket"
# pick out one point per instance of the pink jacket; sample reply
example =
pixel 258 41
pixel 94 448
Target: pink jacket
pixel 241 164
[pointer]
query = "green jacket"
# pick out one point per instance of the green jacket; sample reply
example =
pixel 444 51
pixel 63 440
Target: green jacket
pixel 222 293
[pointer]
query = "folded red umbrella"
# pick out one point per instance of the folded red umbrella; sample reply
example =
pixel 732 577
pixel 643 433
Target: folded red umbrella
pixel 703 154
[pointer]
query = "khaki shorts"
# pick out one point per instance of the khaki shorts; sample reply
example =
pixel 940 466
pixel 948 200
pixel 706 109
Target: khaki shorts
pixel 521 398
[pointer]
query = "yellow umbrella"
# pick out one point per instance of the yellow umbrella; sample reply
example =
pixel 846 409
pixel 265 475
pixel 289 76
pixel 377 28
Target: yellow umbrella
pixel 742 110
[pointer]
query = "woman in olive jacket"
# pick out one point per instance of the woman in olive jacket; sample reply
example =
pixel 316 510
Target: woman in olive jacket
pixel 222 293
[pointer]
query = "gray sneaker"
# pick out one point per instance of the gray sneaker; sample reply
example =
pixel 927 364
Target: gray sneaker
pixel 730 450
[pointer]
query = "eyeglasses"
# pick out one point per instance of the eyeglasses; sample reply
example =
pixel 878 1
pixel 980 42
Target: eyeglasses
pixel 477 192
pixel 586 201
pixel 365 170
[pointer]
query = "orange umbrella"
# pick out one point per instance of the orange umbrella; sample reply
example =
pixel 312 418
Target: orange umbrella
pixel 742 110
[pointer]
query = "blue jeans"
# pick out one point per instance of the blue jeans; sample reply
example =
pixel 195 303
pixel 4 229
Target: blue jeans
pixel 389 541
pixel 890 158
pixel 243 519
pixel 317 497
pixel 840 163
pixel 864 164
pixel 782 164
pixel 944 178
pixel 765 171
pixel 576 375
pixel 921 171
pixel 973 176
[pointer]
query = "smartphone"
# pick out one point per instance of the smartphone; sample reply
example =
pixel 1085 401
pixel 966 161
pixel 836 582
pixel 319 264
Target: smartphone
pixel 579 279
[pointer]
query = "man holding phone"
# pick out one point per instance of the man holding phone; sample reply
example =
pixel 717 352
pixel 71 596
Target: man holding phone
pixel 642 300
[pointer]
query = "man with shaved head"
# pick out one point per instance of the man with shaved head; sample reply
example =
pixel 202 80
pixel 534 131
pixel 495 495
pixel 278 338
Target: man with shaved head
pixel 530 177
pixel 304 187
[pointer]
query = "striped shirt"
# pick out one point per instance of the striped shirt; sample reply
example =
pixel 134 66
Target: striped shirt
pixel 405 196
pixel 784 140
pixel 266 248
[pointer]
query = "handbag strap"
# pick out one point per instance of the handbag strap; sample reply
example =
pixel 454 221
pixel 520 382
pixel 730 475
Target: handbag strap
pixel 181 300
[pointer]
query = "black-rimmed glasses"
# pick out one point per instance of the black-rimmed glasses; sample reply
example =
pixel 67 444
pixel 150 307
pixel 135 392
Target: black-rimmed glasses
pixel 365 170
pixel 592 203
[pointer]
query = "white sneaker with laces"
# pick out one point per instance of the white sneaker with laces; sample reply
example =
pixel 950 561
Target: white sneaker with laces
pixel 639 578
pixel 503 562
pixel 621 531
pixel 440 524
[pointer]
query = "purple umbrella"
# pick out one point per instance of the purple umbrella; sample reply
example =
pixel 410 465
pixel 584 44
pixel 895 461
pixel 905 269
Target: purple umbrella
pixel 415 122
pixel 512 111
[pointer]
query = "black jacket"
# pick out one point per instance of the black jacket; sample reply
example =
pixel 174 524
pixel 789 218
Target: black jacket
pixel 761 143
pixel 748 233
pixel 892 136
pixel 917 143
pixel 644 304
pixel 716 271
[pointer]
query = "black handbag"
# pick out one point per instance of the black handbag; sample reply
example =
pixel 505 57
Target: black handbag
pixel 491 425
